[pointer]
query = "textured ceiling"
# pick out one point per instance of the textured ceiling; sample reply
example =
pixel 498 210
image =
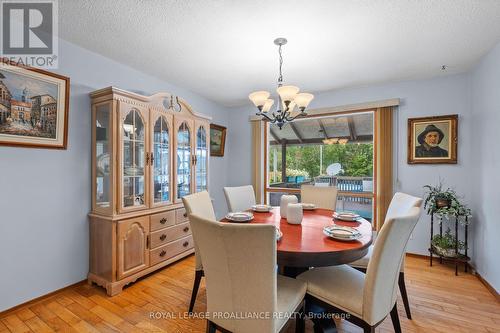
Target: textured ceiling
pixel 223 49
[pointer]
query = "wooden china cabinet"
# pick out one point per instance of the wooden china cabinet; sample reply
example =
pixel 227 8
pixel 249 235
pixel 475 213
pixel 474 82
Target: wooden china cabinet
pixel 147 153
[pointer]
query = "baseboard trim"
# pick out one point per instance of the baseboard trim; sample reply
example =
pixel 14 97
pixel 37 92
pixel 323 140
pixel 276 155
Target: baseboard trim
pixel 488 286
pixel 40 298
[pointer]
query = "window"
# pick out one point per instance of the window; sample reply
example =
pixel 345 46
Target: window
pixel 335 150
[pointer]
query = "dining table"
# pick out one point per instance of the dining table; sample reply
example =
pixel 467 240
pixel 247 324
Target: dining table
pixel 304 245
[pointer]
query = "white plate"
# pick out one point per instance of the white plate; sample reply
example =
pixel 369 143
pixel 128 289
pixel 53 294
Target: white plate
pixel 240 217
pixel 346 239
pixel 346 216
pixel 308 206
pixel 261 208
pixel 341 232
pixel 279 234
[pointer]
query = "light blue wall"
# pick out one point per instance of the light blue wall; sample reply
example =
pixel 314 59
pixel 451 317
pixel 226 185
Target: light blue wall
pixel 438 96
pixel 486 171
pixel 45 194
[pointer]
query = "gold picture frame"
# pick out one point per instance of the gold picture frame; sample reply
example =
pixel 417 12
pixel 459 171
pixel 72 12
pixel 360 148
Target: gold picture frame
pixel 433 140
pixel 217 140
pixel 34 107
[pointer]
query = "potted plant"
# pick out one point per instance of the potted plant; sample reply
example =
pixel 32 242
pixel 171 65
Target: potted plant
pixel 447 244
pixel 444 203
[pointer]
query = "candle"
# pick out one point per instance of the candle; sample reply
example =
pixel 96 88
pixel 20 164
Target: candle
pixel 294 213
pixel 285 200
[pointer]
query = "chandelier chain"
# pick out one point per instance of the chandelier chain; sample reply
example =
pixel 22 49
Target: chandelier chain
pixel 280 77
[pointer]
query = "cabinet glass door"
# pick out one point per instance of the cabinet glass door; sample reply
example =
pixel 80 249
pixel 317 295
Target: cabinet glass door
pixel 183 161
pixel 201 159
pixel 133 138
pixel 161 161
pixel 102 190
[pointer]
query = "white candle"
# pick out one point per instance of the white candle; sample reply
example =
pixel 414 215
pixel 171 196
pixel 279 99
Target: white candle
pixel 294 213
pixel 285 200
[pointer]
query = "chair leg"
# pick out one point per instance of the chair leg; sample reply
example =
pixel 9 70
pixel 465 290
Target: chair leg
pixel 197 280
pixel 402 289
pixel 210 327
pixel 395 319
pixel 300 322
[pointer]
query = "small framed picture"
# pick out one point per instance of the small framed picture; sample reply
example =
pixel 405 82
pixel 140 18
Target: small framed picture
pixel 433 140
pixel 217 140
pixel 33 107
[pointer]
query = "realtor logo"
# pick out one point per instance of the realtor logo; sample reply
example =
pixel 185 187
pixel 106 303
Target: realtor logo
pixel 29 32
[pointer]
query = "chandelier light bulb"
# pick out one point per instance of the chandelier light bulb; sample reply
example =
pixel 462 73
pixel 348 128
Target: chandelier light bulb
pixel 267 105
pixel 259 98
pixel 287 93
pixel 302 100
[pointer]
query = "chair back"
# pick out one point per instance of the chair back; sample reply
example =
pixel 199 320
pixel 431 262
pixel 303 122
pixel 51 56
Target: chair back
pixel 382 273
pixel 322 196
pixel 199 204
pixel 239 198
pixel 239 262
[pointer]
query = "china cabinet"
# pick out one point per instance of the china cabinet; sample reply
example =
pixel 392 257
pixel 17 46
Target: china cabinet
pixel 146 155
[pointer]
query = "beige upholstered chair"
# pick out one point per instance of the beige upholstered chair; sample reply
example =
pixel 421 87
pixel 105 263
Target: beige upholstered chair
pixel 239 198
pixel 199 204
pixel 369 298
pixel 240 271
pixel 399 204
pixel 322 197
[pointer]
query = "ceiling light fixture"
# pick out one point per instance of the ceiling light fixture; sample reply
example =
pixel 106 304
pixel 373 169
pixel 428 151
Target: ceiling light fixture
pixel 288 98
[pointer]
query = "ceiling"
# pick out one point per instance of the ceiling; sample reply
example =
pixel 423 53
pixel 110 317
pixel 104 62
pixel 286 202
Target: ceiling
pixel 355 128
pixel 223 49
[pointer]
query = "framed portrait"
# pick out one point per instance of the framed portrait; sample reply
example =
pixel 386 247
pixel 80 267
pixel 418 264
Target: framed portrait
pixel 433 140
pixel 217 140
pixel 33 107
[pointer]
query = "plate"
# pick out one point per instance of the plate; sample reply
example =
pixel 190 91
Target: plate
pixel 308 206
pixel 346 216
pixel 279 234
pixel 341 233
pixel 261 208
pixel 239 217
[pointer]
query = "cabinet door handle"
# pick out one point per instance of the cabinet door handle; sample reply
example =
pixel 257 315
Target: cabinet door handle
pixel 163 220
pixel 185 214
pixel 186 243
pixel 147 159
pixel 147 242
pixel 186 229
pixel 162 253
pixel 162 237
pixel 152 158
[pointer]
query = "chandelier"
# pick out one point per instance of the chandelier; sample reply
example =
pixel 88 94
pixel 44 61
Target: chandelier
pixel 288 98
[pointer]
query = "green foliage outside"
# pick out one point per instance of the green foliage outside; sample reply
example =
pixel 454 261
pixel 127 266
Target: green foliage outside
pixel 356 159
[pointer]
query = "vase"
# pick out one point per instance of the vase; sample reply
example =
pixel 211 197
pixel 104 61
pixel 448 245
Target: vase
pixel 285 200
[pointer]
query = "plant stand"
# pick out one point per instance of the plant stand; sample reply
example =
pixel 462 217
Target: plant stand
pixel 459 258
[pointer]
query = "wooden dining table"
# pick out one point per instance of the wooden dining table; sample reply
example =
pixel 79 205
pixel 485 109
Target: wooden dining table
pixel 305 245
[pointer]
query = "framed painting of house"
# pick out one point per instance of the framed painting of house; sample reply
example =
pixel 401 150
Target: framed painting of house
pixel 217 140
pixel 33 107
pixel 432 140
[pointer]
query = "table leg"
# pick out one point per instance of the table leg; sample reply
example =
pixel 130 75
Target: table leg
pixel 321 323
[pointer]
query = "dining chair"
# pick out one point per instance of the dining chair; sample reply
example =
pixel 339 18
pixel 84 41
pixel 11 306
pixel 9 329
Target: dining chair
pixel 199 204
pixel 239 198
pixel 366 299
pixel 400 203
pixel 321 196
pixel 239 261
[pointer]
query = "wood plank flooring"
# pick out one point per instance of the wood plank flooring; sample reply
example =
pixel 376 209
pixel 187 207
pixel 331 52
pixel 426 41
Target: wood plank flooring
pixel 440 302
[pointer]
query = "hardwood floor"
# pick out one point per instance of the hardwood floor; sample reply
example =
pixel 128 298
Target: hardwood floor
pixel 440 302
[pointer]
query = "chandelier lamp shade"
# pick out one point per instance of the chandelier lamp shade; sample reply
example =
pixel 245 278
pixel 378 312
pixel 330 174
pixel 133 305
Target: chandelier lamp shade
pixel 289 98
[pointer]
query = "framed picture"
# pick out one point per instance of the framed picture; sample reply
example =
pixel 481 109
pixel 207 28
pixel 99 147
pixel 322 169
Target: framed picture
pixel 33 107
pixel 217 140
pixel 432 140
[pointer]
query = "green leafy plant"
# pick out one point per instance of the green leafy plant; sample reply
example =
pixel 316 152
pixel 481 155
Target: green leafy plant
pixel 447 243
pixel 436 196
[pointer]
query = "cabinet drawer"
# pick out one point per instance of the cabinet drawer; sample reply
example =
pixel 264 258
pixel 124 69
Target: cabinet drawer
pixel 181 215
pixel 171 250
pixel 162 220
pixel 164 236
